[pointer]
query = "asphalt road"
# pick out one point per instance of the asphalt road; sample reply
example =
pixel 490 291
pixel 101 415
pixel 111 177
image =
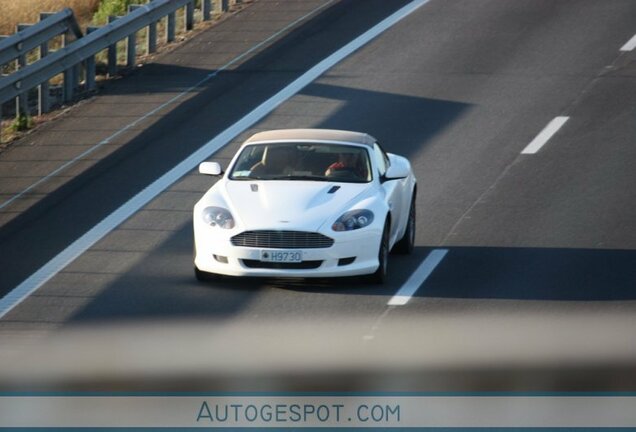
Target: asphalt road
pixel 541 247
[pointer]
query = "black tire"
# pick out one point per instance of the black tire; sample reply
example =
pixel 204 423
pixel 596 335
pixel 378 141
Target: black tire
pixel 203 276
pixel 407 242
pixel 200 274
pixel 380 275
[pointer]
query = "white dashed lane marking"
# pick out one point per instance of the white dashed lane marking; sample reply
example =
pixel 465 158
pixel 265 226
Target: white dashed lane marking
pixel 418 277
pixel 545 135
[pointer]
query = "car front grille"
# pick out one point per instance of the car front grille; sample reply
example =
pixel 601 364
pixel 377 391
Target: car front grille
pixel 282 239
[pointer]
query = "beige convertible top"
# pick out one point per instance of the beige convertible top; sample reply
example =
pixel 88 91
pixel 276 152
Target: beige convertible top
pixel 313 135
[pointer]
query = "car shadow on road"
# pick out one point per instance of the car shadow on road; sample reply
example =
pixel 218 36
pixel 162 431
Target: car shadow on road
pixel 514 273
pixel 466 273
pixel 529 273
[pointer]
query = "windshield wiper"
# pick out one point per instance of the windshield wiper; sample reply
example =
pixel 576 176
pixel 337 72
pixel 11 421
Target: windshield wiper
pixel 249 177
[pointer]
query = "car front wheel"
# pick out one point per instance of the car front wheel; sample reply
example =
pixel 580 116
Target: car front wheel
pixel 203 276
pixel 407 242
pixel 380 275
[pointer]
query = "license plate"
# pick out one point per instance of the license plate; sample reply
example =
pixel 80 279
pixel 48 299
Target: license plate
pixel 282 256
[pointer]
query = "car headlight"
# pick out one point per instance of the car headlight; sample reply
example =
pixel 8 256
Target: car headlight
pixel 217 216
pixel 352 220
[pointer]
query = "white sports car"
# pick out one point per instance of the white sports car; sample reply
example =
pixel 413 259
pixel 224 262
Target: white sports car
pixel 305 203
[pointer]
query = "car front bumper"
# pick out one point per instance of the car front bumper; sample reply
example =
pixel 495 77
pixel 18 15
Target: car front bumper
pixel 214 253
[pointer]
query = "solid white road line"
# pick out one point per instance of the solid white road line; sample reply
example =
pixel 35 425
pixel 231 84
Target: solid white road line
pixel 150 113
pixel 79 246
pixel 547 133
pixel 418 277
pixel 630 45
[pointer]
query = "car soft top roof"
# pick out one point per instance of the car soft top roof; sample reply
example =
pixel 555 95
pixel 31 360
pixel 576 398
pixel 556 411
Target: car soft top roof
pixel 313 135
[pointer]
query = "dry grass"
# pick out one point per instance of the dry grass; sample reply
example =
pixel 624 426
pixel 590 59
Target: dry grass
pixel 28 11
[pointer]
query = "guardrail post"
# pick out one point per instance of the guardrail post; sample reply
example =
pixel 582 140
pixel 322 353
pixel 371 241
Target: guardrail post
pixel 44 95
pixel 69 76
pixel 44 104
pixel 189 15
pixel 170 31
pixel 151 34
pixel 76 76
pixel 90 66
pixel 131 44
pixel 131 50
pixel 220 6
pixel 1 37
pixel 112 53
pixel 151 41
pixel 206 9
pixel 22 101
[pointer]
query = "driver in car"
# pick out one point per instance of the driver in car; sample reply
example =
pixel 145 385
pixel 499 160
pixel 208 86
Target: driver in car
pixel 348 162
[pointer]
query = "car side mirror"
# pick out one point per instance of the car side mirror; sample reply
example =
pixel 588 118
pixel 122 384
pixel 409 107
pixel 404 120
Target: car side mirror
pixel 398 169
pixel 210 168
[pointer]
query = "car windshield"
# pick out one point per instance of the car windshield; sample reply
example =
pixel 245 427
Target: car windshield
pixel 303 161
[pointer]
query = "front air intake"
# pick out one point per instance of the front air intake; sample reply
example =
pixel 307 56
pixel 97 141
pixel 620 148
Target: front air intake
pixel 282 239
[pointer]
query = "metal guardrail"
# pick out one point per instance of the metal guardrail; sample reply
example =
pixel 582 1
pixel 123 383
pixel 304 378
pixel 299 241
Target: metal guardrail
pixel 29 37
pixel 79 55
pixel 35 35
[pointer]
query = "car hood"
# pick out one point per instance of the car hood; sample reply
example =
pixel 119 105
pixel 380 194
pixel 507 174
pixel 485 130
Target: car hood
pixel 294 205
